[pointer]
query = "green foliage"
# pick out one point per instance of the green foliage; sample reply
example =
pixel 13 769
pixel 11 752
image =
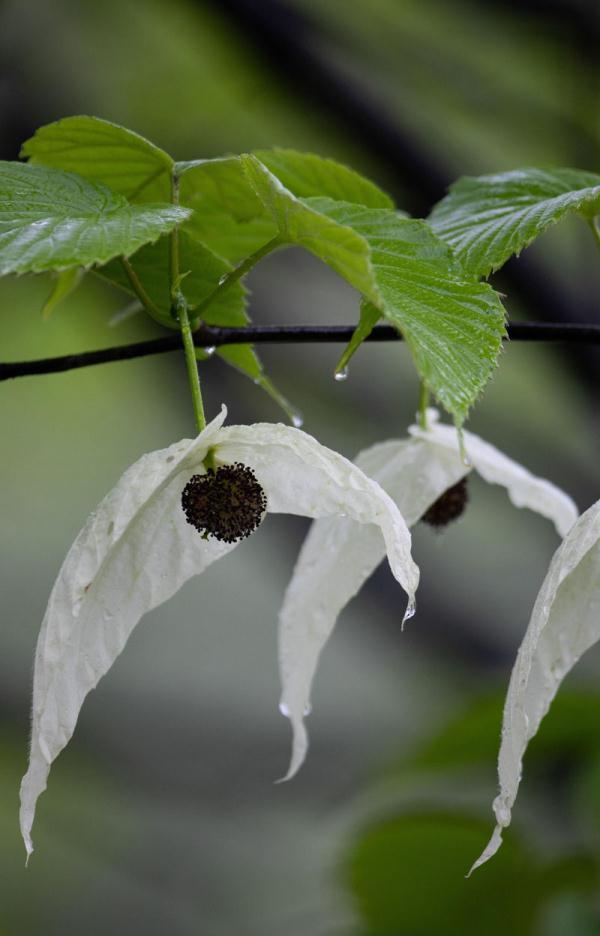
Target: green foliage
pixel 454 327
pixel 201 271
pixel 309 176
pixel 53 220
pixel 407 875
pixel 87 199
pixel 228 216
pixel 570 729
pixel 64 284
pixel 487 219
pixel 407 869
pixel 104 152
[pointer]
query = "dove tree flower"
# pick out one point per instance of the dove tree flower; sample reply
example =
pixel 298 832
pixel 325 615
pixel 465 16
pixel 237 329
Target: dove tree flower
pixel 166 520
pixel 564 624
pixel 338 556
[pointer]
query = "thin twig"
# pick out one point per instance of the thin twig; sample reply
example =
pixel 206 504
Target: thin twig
pixel 209 336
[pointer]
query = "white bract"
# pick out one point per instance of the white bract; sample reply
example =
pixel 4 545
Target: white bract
pixel 137 550
pixel 565 622
pixel 338 556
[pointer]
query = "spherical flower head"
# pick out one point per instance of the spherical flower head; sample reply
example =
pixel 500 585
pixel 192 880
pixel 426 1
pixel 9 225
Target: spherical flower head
pixel 448 507
pixel 228 503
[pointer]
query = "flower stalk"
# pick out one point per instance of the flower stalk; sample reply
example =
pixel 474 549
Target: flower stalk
pixel 180 312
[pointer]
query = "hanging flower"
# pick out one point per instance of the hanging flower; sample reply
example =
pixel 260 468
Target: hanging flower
pixel 167 519
pixel 424 475
pixel 564 624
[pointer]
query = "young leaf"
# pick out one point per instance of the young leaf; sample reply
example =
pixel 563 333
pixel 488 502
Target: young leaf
pixel 104 152
pixel 369 316
pixel 228 216
pixel 233 221
pixel 53 220
pixel 453 327
pixel 65 283
pixel 487 219
pixel 306 175
pixel 564 624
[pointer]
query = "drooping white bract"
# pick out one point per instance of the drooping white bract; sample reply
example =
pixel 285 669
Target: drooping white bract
pixel 565 622
pixel 337 556
pixel 137 550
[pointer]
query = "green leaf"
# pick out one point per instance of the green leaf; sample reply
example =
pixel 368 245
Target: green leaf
pixel 65 283
pixel 233 221
pixel 307 175
pixel 369 316
pixel 201 272
pixel 53 220
pixel 104 152
pixel 407 876
pixel 570 731
pixel 228 216
pixel 453 327
pixel 487 219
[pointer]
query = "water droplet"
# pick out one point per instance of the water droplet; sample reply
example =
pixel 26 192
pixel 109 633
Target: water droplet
pixel 307 709
pixel 223 279
pixel 297 420
pixel 210 350
pixel 341 374
pixel 409 613
pixel 283 708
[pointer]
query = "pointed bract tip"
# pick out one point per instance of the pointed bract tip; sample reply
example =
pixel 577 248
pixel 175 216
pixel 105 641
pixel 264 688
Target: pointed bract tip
pixel 29 852
pixel 411 610
pixel 489 851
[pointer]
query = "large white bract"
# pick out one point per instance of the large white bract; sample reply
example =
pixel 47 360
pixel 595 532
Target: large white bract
pixel 565 622
pixel 137 550
pixel 338 556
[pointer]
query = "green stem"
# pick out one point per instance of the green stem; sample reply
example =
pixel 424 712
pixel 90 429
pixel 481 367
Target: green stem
pixel 191 362
pixel 174 247
pixel 423 404
pixel 237 273
pixel 179 310
pixel 138 289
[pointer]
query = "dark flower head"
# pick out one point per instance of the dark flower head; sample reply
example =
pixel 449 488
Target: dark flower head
pixel 448 507
pixel 228 503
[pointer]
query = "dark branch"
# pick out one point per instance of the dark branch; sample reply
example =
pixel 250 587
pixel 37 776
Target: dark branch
pixel 207 336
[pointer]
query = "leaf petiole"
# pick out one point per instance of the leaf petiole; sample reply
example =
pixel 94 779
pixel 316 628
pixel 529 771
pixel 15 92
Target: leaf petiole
pixel 228 279
pixel 423 404
pixel 138 289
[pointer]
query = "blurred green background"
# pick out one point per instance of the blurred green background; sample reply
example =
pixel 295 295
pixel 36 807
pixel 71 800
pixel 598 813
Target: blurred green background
pixel 161 816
